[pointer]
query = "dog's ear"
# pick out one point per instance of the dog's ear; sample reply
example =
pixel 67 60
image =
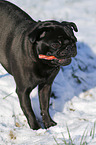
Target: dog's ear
pixel 33 35
pixel 70 24
pixel 40 30
pixel 34 32
pixel 68 28
pixel 37 33
pixel 73 25
pixel 42 35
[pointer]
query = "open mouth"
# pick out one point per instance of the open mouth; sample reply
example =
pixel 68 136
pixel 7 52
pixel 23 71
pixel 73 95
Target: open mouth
pixel 64 61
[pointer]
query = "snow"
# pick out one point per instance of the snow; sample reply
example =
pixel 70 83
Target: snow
pixel 74 88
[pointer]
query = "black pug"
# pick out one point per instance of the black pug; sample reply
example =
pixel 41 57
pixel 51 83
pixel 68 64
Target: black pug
pixel 32 52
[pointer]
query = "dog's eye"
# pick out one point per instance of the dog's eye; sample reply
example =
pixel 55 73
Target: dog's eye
pixel 55 45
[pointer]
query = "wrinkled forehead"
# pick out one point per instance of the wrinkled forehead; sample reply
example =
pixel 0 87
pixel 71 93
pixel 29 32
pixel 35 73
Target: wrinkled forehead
pixel 56 33
pixel 59 33
pixel 54 29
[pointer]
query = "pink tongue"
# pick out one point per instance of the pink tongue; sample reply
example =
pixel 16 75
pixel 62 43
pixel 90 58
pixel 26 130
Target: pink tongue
pixel 41 56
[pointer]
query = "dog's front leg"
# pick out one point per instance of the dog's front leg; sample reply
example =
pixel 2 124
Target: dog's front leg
pixel 44 97
pixel 25 104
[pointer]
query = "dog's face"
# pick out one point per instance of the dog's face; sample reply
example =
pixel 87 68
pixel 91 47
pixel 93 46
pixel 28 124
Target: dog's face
pixel 55 39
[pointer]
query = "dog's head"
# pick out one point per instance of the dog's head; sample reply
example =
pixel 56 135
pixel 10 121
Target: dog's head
pixel 54 42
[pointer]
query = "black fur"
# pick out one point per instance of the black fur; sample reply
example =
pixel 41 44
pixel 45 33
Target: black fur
pixel 21 41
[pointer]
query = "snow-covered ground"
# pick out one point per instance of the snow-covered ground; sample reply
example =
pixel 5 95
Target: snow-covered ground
pixel 74 104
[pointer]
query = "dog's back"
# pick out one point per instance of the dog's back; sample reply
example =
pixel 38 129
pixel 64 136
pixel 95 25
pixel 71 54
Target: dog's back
pixel 13 21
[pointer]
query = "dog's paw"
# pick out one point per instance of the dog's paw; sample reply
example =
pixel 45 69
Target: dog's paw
pixel 49 124
pixel 34 125
pixel 47 121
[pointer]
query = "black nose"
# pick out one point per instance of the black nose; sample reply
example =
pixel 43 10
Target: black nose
pixel 69 51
